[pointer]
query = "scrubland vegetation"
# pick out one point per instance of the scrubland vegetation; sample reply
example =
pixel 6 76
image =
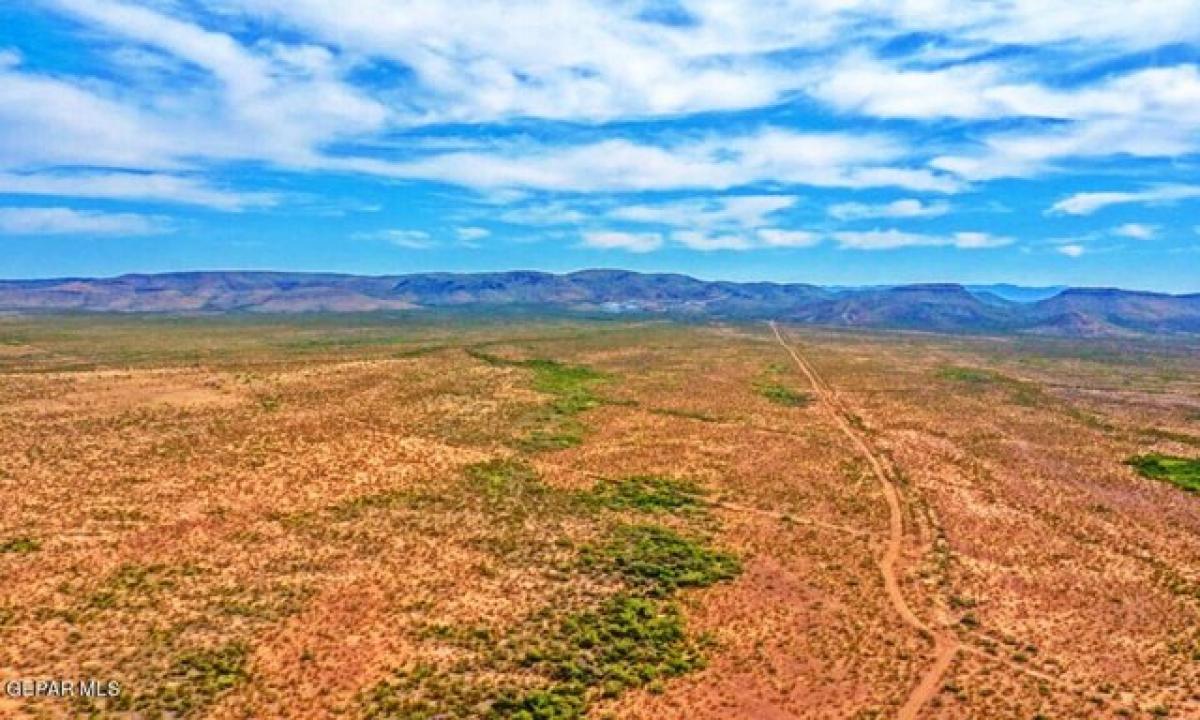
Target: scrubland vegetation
pixel 407 516
pixel 1181 472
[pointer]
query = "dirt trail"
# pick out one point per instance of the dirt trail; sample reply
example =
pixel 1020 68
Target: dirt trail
pixel 945 646
pixel 787 517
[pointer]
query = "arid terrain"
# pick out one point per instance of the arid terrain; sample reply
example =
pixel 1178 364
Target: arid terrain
pixel 434 515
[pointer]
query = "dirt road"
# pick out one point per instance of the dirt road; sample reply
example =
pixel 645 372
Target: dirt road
pixel 946 646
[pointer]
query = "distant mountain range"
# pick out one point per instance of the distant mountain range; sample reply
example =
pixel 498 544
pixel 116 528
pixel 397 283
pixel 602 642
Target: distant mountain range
pixel 1071 312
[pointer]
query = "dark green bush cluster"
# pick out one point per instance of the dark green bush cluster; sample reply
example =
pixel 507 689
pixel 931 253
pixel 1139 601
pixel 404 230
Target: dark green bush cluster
pixel 570 386
pixel 132 586
pixel 423 693
pixel 1021 392
pixel 195 680
pixel 503 483
pixel 558 702
pixel 627 642
pixel 556 426
pixel 656 560
pixel 20 545
pixel 1181 472
pixel 783 395
pixel 648 493
pixel 967 375
pixel 627 632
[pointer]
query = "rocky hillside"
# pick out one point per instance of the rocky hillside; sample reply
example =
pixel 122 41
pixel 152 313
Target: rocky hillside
pixel 942 308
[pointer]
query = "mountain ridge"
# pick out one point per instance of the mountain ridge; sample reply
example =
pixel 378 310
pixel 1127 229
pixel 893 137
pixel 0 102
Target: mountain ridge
pixel 940 307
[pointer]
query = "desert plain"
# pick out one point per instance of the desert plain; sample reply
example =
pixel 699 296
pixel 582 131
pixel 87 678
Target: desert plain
pixel 444 515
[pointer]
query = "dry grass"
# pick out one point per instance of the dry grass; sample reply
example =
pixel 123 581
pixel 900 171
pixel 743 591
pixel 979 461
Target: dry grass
pixel 329 517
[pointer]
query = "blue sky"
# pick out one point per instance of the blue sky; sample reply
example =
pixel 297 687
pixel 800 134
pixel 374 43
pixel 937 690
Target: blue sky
pixel 829 141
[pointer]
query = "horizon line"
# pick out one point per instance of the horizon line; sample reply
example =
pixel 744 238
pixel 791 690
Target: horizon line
pixel 864 286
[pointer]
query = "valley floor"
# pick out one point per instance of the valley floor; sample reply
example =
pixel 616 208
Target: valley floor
pixel 411 516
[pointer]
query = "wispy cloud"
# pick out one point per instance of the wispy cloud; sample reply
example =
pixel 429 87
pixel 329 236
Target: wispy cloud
pixel 471 234
pixel 1072 250
pixel 892 239
pixel 1150 113
pixel 766 238
pixel 773 237
pixel 631 242
pixel 288 94
pixel 906 208
pixel 1086 203
pixel 67 221
pixel 742 211
pixel 1136 231
pixel 543 213
pixel 408 239
pixel 707 242
pixel 154 187
pixel 737 222
pixel 770 155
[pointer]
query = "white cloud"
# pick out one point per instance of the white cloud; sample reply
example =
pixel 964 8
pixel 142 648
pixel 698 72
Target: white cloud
pixel 632 242
pixel 157 187
pixel 1137 231
pixel 472 234
pixel 284 98
pixel 892 239
pixel 273 102
pixel 978 240
pixel 1073 250
pixel 9 57
pixel 906 208
pixel 594 60
pixel 771 155
pixel 1086 203
pixel 192 90
pixel 543 213
pixel 869 86
pixel 772 237
pixel 743 211
pixel 708 224
pixel 863 85
pixel 1129 25
pixel 567 59
pixel 408 239
pixel 707 242
pixel 87 129
pixel 1145 114
pixel 66 221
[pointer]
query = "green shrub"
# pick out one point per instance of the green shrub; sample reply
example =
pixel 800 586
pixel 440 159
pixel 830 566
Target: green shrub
pixel 1181 472
pixel 967 375
pixel 569 384
pixel 355 507
pixel 656 560
pixel 508 487
pixel 781 395
pixel 626 642
pixel 570 387
pixel 195 680
pixel 648 493
pixel 20 545
pixel 558 702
